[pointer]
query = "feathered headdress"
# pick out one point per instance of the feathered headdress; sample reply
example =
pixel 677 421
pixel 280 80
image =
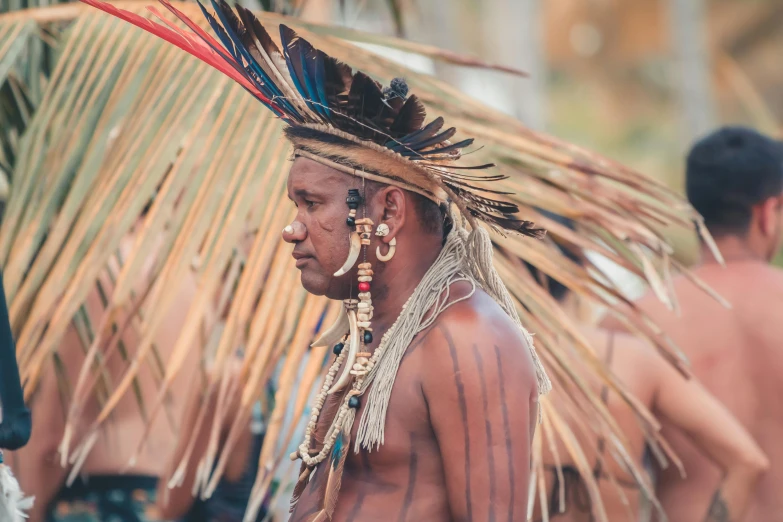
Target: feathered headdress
pixel 344 119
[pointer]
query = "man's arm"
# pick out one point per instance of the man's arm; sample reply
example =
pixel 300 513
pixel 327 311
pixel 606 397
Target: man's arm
pixel 37 465
pixel 479 388
pixel 716 433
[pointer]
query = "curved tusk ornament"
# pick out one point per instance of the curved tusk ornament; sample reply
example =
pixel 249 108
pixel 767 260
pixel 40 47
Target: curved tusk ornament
pixel 390 254
pixel 353 255
pixel 350 359
pixel 335 332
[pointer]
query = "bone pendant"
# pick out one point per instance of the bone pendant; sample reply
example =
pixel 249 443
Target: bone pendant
pixel 350 359
pixel 353 255
pixel 335 332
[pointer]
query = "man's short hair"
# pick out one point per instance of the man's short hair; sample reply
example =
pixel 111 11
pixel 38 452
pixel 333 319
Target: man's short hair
pixel 555 288
pixel 730 171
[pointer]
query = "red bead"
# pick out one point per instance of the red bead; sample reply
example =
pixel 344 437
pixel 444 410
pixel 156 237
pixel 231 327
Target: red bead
pixel 364 287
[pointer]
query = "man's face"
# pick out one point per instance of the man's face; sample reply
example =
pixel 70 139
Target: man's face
pixel 320 234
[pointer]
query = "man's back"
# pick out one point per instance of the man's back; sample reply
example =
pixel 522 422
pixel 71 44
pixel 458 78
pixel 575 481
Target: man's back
pixel 735 353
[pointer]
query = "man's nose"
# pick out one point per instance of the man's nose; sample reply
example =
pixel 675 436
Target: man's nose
pixel 295 232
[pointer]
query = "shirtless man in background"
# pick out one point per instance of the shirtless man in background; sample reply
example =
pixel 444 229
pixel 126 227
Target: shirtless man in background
pixel 107 486
pixel 669 396
pixel 735 180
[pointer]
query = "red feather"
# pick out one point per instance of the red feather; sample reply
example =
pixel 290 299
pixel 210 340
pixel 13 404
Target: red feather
pixel 193 26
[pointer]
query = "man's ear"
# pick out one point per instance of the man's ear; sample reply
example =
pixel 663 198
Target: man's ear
pixel 393 208
pixel 769 216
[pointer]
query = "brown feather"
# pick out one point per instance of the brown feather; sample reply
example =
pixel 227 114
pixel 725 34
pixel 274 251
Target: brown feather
pixel 409 119
pixel 301 484
pixel 336 467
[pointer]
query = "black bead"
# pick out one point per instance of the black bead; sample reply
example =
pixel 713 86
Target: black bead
pixel 338 348
pixel 367 337
pixel 354 402
pixel 354 199
pixel 351 222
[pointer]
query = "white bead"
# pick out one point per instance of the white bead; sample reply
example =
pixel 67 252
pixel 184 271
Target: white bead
pixel 365 279
pixel 364 324
pixel 364 295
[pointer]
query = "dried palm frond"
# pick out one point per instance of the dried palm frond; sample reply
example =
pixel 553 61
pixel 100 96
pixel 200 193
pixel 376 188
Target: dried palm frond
pixel 128 137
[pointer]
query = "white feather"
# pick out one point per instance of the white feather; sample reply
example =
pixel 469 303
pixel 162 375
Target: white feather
pixel 13 503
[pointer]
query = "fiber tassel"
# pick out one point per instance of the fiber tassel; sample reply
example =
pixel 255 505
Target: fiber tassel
pixel 336 466
pixel 13 503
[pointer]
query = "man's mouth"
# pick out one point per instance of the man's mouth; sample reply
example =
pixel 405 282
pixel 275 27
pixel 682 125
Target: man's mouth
pixel 301 259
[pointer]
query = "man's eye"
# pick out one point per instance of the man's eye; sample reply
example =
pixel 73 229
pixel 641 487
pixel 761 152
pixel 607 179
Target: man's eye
pixel 309 203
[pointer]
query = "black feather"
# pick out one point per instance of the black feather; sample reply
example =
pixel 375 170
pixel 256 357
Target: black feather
pixel 438 138
pixel 509 224
pixel 443 150
pixel 364 90
pixel 409 119
pixel 425 132
pixel 504 207
pixel 493 177
pixel 337 77
pixel 468 186
pixel 252 24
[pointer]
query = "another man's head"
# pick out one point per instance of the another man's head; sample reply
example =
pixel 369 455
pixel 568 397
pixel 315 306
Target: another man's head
pixel 320 233
pixel 734 179
pixel 556 289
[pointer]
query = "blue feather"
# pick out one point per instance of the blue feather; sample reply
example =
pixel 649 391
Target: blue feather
pixel 311 84
pixel 318 71
pixel 224 38
pixel 297 66
pixel 251 27
pixel 337 450
pixel 284 30
pixel 266 86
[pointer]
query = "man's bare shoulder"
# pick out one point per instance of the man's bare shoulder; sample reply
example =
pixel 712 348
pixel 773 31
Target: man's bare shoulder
pixel 477 328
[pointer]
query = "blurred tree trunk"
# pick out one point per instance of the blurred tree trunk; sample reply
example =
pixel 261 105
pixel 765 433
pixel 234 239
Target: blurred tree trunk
pixel 514 35
pixel 689 37
pixel 524 29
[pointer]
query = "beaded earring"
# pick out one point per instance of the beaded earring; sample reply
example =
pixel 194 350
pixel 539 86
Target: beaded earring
pixel 382 231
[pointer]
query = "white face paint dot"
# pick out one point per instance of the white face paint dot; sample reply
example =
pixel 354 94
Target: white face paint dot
pixel 289 229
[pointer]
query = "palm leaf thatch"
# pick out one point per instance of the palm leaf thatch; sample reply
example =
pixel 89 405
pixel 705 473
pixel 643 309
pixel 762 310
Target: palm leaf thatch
pixel 111 133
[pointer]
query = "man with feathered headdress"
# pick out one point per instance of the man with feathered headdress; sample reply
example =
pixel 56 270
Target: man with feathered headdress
pixel 429 405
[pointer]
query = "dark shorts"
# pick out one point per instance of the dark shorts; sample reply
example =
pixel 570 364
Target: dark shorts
pixel 112 498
